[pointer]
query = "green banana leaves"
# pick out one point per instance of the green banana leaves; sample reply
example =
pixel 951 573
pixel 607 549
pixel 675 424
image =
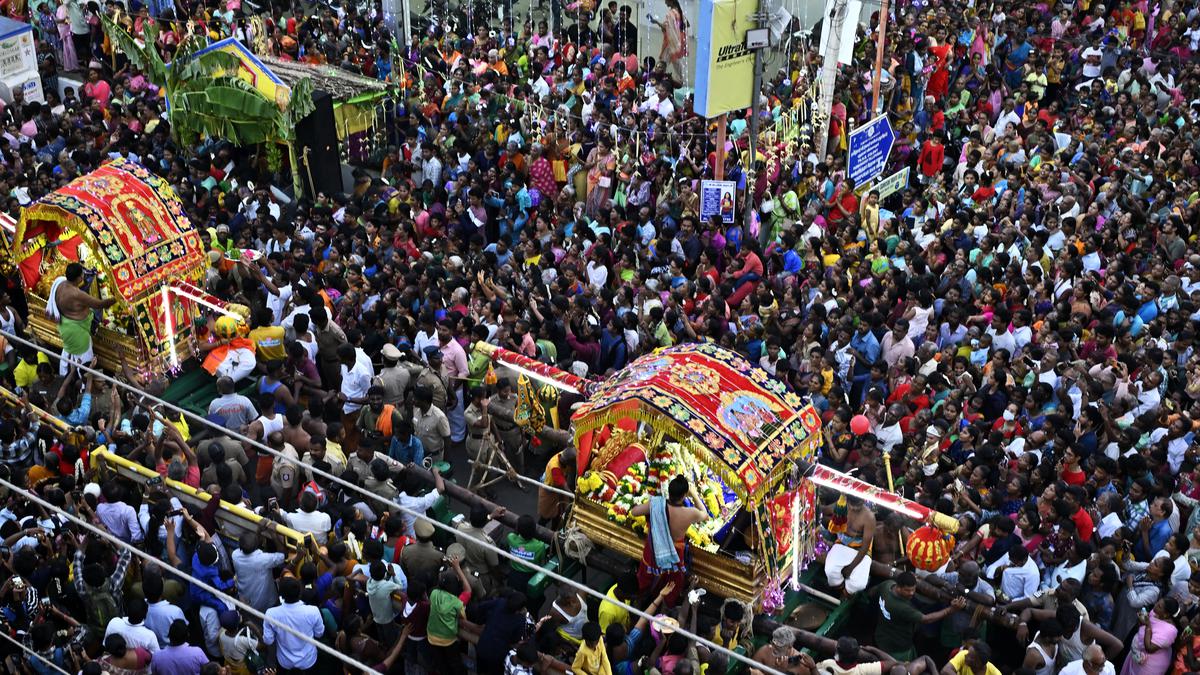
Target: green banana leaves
pixel 205 96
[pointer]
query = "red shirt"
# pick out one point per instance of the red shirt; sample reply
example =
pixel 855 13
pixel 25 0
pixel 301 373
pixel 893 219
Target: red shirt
pixel 849 203
pixel 932 157
pixel 918 401
pixel 1073 477
pixel 1083 523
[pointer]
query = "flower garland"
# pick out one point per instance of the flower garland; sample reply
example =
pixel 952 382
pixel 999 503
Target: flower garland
pixel 620 495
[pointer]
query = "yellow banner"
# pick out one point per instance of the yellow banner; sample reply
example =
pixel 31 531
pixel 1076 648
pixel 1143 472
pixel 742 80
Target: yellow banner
pixel 724 67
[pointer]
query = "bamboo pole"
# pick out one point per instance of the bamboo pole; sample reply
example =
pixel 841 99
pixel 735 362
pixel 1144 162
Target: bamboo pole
pixel 938 589
pixel 42 415
pixel 460 493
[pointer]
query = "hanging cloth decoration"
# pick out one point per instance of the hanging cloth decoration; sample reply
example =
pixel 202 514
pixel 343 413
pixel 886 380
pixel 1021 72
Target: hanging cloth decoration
pixel 529 414
pixel 840 518
pixel 549 399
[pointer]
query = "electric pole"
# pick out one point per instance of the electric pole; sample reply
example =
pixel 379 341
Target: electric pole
pixel 829 69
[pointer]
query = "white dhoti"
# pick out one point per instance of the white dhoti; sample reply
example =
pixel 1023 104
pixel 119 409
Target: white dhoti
pixel 238 363
pixel 837 558
pixel 67 360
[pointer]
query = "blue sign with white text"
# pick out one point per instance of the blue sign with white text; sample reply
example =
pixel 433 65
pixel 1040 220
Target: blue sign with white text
pixel 869 147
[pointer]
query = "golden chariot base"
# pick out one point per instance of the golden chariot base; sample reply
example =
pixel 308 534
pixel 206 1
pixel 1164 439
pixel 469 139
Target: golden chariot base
pixel 719 574
pixel 107 343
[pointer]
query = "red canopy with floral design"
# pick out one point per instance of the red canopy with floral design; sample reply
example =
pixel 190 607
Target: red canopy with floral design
pixel 129 218
pixel 739 420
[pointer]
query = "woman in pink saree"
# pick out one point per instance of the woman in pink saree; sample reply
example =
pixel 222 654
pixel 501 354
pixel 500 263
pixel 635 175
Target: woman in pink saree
pixel 1150 649
pixel 62 19
pixel 674 43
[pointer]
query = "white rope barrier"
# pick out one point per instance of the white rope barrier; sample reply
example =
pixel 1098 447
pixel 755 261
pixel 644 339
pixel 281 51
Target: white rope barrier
pixel 586 590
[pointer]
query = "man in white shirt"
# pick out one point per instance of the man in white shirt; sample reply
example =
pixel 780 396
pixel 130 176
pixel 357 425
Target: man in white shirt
pixel 133 627
pixel 888 431
pixel 255 572
pixel 309 519
pixel 357 373
pixel 1001 338
pixel 659 102
pixel 1008 116
pixel 1018 574
pixel 1022 332
pixel 278 300
pixel 1092 663
pixel 1091 62
pixel 292 652
pixel 430 166
pixel 418 504
pixel 1147 393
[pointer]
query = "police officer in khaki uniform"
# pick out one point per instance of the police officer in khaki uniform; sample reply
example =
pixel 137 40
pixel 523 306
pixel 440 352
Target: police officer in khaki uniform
pixel 502 408
pixel 478 423
pixel 433 376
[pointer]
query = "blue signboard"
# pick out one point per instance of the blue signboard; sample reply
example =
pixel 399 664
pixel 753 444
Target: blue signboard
pixel 869 147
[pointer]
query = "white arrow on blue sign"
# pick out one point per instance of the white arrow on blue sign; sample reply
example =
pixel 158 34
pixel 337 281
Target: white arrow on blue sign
pixel 869 147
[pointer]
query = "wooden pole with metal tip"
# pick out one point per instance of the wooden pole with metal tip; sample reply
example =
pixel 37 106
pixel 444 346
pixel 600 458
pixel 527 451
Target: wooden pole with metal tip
pixel 880 41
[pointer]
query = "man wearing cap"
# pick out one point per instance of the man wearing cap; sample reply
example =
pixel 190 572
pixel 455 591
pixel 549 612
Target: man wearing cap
pixel 422 560
pixel 433 377
pixel 393 377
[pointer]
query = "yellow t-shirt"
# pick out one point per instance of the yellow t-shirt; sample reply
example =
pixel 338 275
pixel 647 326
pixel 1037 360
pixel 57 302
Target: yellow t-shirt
pixel 25 373
pixel 268 343
pixel 182 426
pixel 592 660
pixel 611 613
pixel 959 663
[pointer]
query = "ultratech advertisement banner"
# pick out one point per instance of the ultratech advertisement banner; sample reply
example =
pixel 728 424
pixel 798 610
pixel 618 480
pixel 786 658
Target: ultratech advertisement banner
pixel 724 67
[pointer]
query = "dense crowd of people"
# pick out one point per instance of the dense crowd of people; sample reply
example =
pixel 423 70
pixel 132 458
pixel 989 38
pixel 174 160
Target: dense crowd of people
pixel 1017 326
